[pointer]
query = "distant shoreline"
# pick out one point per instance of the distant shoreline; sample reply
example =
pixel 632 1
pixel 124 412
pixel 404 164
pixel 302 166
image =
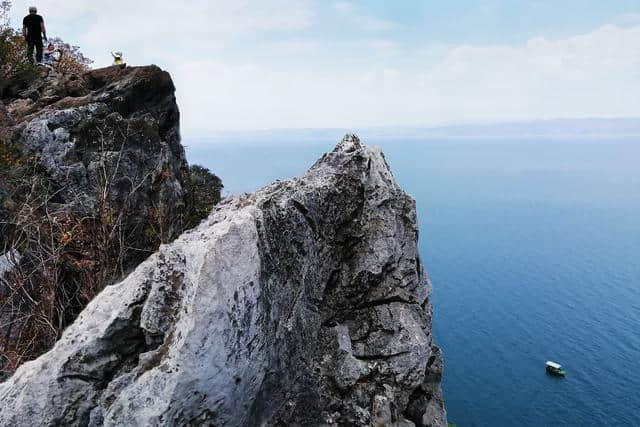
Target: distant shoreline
pixel 554 129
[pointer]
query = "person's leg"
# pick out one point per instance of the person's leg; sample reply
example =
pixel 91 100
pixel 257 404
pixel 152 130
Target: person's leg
pixel 30 46
pixel 39 49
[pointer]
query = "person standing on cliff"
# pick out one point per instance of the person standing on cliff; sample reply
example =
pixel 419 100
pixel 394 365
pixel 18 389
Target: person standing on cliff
pixel 33 31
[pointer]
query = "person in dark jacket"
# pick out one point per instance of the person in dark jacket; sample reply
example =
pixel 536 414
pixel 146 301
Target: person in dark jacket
pixel 33 31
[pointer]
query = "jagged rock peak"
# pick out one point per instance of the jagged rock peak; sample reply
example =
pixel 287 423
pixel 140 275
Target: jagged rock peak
pixel 349 143
pixel 304 303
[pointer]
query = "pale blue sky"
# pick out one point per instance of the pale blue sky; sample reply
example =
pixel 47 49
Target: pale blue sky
pixel 467 21
pixel 460 21
pixel 250 64
pixel 498 21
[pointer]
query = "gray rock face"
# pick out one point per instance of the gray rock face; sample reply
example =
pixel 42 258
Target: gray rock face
pixel 113 134
pixel 304 303
pixel 91 165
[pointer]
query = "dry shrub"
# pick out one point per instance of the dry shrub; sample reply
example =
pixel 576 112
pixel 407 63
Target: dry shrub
pixel 71 60
pixel 59 260
pixel 16 70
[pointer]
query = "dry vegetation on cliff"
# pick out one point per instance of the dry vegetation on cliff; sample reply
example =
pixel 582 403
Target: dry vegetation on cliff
pixel 92 180
pixel 16 71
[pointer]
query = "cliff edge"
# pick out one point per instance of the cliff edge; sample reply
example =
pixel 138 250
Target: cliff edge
pixel 93 178
pixel 304 303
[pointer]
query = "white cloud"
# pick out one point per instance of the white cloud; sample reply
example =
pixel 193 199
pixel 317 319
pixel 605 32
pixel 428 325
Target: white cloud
pixel 371 23
pixel 165 29
pixel 628 19
pixel 596 74
pixel 252 64
pixel 344 7
pixel 362 21
pixel 591 75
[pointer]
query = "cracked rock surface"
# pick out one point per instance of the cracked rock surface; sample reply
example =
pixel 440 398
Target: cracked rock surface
pixel 304 303
pixel 124 120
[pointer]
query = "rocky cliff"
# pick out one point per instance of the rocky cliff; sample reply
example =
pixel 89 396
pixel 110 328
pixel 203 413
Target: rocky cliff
pixel 304 303
pixel 93 178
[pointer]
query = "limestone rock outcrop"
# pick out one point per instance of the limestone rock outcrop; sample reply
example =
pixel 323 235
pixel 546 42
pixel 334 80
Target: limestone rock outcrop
pixel 304 303
pixel 122 122
pixel 93 178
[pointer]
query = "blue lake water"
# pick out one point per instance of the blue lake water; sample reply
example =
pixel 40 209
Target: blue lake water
pixel 533 249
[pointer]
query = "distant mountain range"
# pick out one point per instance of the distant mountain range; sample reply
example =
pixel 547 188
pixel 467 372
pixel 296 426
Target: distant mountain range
pixel 557 128
pixel 548 128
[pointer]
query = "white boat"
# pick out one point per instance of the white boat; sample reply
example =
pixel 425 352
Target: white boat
pixel 555 369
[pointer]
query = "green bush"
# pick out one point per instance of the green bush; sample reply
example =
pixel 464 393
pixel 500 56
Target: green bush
pixel 203 189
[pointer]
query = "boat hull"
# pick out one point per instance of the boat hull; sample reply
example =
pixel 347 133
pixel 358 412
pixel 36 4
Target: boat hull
pixel 556 372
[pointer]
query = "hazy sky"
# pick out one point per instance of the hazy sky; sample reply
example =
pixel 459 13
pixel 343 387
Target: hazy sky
pixel 249 64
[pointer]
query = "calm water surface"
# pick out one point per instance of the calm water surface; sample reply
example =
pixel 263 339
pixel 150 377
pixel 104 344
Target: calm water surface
pixel 533 248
